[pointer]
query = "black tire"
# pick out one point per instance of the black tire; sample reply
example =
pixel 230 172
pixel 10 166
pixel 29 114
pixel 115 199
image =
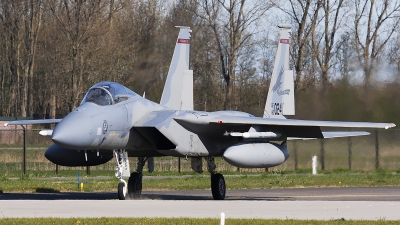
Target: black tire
pixel 218 187
pixel 121 195
pixel 135 185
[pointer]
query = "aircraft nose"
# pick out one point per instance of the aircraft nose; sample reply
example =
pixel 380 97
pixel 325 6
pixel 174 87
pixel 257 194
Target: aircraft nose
pixel 75 131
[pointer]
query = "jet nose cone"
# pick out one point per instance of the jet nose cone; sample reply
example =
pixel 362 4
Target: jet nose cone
pixel 75 131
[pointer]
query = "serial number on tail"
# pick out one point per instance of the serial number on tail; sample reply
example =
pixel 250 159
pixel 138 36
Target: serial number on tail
pixel 276 108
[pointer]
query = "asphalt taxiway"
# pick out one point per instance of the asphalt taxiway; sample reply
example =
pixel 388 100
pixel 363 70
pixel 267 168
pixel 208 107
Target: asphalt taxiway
pixel 361 203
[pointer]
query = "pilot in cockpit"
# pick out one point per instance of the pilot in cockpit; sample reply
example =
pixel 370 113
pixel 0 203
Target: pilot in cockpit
pixel 99 96
pixel 107 93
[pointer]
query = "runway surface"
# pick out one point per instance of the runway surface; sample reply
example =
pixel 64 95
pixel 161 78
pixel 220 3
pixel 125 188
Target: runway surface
pixel 369 203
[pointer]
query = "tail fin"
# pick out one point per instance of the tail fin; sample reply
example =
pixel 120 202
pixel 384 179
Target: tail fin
pixel 280 99
pixel 178 89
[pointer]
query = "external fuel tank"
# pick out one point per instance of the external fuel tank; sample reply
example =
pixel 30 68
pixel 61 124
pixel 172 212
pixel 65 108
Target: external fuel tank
pixel 256 155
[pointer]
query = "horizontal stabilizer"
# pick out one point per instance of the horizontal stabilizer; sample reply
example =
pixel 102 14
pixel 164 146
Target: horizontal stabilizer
pixel 336 134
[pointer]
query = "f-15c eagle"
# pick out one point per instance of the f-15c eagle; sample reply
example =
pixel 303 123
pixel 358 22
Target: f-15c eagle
pixel 113 121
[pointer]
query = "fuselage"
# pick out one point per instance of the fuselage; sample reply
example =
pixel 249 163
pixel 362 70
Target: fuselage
pixel 138 125
pixel 112 117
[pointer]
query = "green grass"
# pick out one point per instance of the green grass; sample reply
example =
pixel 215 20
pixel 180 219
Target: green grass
pixel 202 182
pixel 183 221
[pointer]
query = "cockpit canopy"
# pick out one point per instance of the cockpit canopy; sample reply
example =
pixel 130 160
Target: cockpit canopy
pixel 107 93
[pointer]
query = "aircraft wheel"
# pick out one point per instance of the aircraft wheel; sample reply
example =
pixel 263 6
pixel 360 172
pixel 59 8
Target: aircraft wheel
pixel 121 194
pixel 218 187
pixel 135 185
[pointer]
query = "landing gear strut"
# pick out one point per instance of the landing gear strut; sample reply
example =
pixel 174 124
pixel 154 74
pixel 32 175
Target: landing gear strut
pixel 121 171
pixel 218 187
pixel 133 188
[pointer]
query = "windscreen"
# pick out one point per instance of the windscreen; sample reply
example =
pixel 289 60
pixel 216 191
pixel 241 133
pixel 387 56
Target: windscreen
pixel 99 96
pixel 107 93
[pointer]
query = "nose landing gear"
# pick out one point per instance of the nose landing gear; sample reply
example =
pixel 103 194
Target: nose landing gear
pixel 122 171
pixel 132 189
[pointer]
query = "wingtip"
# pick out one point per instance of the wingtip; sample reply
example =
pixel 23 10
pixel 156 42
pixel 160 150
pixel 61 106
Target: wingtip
pixel 391 126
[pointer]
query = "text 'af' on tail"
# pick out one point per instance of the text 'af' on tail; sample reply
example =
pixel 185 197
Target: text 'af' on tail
pixel 178 89
pixel 280 99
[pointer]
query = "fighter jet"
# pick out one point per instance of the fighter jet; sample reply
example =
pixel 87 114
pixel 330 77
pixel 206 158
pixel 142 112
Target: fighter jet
pixel 113 121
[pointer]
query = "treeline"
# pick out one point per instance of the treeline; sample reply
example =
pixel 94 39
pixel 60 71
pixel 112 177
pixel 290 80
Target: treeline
pixel 345 54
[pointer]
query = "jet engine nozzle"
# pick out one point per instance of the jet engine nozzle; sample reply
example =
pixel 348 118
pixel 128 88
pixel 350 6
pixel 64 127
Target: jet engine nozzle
pixel 75 131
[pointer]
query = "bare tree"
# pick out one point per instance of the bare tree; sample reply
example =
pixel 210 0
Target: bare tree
pixel 374 25
pixel 11 18
pixel 344 56
pixel 305 16
pixel 33 10
pixel 80 21
pixel 230 22
pixel 324 45
pixel 394 54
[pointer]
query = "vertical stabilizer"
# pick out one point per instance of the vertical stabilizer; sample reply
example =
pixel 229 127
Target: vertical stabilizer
pixel 178 89
pixel 280 99
pixel 288 99
pixel 187 91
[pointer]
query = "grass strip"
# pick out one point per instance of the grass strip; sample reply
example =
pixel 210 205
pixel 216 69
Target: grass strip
pixel 201 182
pixel 178 221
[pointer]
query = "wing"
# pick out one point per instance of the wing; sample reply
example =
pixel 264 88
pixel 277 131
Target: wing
pixel 28 122
pixel 291 128
pixel 295 122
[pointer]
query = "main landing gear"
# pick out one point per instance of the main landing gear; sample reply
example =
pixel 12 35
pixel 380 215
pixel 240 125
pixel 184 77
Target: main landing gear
pixel 133 188
pixel 218 187
pixel 135 180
